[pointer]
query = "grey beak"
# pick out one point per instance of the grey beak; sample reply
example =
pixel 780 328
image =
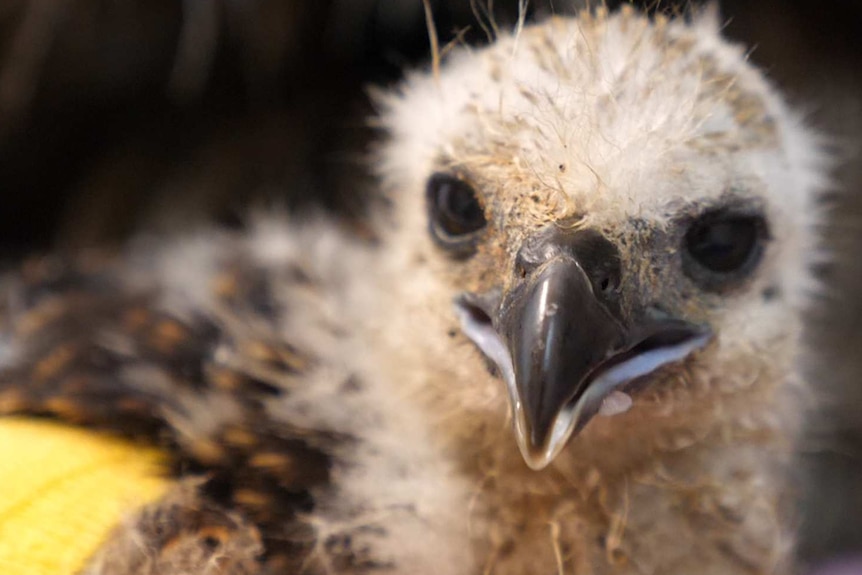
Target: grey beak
pixel 563 348
pixel 557 332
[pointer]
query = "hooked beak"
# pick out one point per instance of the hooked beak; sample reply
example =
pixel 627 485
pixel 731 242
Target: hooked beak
pixel 564 355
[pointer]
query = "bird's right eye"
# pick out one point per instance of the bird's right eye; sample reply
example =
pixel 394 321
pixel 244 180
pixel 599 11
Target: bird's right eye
pixel 456 214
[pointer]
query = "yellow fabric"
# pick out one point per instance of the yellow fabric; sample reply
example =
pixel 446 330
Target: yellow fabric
pixel 61 491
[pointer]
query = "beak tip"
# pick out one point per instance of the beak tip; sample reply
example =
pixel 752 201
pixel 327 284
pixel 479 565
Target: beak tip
pixel 535 456
pixel 540 449
pixel 536 459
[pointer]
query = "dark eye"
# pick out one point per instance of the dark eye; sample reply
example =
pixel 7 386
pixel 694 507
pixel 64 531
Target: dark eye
pixel 723 247
pixel 455 212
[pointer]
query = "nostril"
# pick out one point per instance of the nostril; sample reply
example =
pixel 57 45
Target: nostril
pixel 609 285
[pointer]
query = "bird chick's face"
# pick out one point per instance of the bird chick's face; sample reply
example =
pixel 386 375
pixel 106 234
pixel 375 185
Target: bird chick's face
pixel 608 203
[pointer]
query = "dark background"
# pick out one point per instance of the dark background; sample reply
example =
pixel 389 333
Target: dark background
pixel 117 116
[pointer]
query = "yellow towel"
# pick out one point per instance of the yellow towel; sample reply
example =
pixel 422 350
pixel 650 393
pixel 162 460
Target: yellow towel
pixel 62 489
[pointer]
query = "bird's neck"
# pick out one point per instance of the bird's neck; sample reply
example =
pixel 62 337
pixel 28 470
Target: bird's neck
pixel 649 491
pixel 716 502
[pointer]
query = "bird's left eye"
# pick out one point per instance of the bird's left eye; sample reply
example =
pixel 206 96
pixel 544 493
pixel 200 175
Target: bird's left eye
pixel 722 247
pixel 455 213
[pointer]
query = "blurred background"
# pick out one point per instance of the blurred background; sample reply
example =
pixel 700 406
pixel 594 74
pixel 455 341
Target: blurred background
pixel 153 114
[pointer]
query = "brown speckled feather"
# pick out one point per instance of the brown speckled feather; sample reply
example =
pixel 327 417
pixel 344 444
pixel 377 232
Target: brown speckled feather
pixel 96 350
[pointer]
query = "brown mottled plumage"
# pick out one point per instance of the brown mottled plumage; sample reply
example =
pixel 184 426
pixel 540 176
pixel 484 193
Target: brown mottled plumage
pixel 100 353
pixel 601 235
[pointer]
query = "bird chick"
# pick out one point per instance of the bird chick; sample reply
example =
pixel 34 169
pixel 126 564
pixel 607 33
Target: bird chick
pixel 599 238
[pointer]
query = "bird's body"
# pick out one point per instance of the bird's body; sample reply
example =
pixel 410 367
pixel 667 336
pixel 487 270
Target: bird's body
pixel 340 409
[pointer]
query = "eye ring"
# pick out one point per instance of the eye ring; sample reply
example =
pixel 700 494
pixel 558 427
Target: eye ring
pixel 721 248
pixel 456 215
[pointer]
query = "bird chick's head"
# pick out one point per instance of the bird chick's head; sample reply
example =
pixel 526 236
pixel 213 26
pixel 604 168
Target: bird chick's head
pixel 608 202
